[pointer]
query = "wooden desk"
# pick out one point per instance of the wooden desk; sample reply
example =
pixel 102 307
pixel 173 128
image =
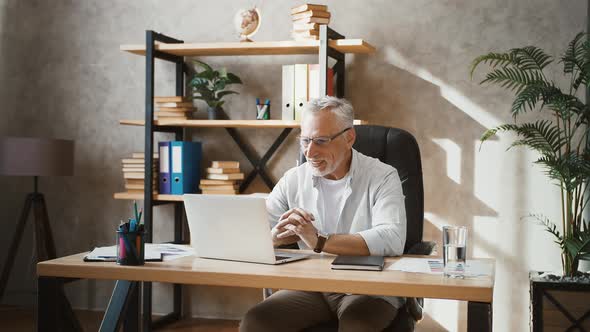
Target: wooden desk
pixel 313 274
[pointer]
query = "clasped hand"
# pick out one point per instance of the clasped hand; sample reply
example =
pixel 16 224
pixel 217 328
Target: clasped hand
pixel 293 225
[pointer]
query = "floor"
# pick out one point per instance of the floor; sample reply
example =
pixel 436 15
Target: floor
pixel 18 319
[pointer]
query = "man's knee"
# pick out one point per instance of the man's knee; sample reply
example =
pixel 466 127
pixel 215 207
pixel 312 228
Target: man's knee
pixel 356 324
pixel 257 320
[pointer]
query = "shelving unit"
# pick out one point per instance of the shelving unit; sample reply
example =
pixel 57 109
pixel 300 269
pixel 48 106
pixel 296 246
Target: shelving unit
pixel 158 46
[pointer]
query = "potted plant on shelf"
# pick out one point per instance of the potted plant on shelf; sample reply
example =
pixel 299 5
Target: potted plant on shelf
pixel 560 135
pixel 209 85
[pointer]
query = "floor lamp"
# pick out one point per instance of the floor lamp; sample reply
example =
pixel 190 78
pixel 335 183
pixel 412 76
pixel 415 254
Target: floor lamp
pixel 20 156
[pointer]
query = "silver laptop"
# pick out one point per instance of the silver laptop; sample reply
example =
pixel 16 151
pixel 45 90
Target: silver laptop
pixel 232 227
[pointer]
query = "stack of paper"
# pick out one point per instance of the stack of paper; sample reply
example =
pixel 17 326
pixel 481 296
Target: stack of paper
pixel 153 252
pixel 473 268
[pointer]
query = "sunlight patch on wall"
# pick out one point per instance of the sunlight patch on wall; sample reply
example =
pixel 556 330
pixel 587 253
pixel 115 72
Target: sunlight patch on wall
pixel 453 155
pixel 451 94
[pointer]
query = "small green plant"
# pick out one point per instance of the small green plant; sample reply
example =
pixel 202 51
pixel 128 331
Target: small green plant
pixel 562 142
pixel 209 85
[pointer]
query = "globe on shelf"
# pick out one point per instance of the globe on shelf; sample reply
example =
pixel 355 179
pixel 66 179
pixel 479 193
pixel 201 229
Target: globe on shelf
pixel 247 22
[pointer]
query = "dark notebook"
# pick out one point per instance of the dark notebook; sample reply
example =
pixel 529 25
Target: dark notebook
pixel 369 263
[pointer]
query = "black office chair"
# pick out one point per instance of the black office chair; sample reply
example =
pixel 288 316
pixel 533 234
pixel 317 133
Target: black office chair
pixel 398 148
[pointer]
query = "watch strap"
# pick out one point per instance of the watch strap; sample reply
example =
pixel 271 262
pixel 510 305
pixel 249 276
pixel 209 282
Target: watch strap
pixel 320 244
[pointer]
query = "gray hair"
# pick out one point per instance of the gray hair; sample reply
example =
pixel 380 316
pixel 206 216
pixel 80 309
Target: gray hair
pixel 340 107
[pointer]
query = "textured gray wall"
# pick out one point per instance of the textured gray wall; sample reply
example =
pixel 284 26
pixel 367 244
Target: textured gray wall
pixel 64 76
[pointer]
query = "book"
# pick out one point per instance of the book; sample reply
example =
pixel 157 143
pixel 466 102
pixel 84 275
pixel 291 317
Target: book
pixel 177 109
pixel 173 118
pixel 225 164
pixel 141 155
pixel 308 6
pixel 136 175
pixel 171 114
pixel 176 104
pixel 297 36
pixel 132 169
pixel 207 182
pixel 318 20
pixel 212 170
pixel 233 176
pixel 218 187
pixel 368 263
pixel 135 185
pixel 306 26
pixel 170 99
pixel 219 192
pixel 133 161
pixel 306 33
pixel 311 13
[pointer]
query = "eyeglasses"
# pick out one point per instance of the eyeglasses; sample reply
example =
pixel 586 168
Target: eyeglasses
pixel 320 141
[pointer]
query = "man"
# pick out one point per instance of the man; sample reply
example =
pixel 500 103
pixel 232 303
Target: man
pixel 340 202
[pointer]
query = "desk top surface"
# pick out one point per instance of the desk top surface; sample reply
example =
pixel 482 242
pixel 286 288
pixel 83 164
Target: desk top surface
pixel 312 274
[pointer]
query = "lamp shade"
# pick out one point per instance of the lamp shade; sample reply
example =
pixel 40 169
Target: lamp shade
pixel 33 156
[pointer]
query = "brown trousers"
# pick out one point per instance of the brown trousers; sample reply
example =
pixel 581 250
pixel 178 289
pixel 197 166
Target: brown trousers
pixel 288 310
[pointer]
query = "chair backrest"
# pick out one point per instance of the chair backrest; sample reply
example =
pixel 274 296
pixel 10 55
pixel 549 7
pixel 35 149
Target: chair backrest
pixel 398 148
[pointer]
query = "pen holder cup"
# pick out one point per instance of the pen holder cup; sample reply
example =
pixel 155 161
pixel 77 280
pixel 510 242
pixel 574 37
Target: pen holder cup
pixel 130 247
pixel 263 112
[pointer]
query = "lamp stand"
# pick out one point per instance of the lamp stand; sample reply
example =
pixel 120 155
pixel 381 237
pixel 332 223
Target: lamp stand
pixel 43 236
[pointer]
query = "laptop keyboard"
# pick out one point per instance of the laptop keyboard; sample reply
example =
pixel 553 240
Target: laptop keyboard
pixel 280 258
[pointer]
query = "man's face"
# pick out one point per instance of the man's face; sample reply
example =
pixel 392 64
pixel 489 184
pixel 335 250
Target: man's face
pixel 328 160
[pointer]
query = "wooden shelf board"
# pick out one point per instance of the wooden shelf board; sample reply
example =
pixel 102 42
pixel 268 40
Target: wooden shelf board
pixel 255 48
pixel 139 197
pixel 225 123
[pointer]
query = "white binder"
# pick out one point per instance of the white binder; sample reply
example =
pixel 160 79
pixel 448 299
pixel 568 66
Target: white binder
pixel 288 107
pixel 301 89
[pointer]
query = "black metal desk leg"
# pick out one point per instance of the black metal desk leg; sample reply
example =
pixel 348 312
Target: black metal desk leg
pixel 123 300
pixel 479 317
pixel 47 304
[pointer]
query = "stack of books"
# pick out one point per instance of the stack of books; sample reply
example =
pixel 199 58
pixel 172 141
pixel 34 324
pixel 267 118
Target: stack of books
pixel 173 108
pixel 134 173
pixel 222 178
pixel 307 20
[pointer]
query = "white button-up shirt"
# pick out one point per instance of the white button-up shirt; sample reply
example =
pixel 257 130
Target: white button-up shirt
pixel 373 204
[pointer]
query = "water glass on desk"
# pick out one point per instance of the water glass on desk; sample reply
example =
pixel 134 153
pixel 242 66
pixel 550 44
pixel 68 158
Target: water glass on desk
pixel 454 250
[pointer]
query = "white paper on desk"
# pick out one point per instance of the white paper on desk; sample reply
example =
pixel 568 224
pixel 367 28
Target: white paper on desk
pixel 170 251
pixel 153 251
pixel 473 268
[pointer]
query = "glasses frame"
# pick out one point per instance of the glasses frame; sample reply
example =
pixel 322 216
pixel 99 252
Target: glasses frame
pixel 323 140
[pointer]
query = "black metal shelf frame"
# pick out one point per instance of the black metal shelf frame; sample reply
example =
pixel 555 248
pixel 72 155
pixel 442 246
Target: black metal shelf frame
pixel 126 300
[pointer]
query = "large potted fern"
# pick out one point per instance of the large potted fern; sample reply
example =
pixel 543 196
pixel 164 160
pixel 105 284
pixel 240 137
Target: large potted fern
pixel 560 135
pixel 561 138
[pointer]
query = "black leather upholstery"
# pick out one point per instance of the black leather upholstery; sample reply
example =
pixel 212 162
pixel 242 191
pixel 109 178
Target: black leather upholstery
pixel 398 148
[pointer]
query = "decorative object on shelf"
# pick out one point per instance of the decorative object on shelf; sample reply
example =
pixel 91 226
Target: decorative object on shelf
pixel 562 141
pixel 31 156
pixel 247 23
pixel 209 85
pixel 262 110
pixel 307 19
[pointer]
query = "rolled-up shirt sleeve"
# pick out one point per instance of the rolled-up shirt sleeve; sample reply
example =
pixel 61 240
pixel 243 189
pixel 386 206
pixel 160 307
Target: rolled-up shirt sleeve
pixel 387 235
pixel 276 202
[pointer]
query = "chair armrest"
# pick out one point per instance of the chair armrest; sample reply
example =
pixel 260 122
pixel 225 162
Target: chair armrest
pixel 422 248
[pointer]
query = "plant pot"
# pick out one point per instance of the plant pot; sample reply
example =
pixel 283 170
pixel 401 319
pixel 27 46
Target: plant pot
pixel 216 113
pixel 584 265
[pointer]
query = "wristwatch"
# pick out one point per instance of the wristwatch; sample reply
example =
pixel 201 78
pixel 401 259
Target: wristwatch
pixel 322 238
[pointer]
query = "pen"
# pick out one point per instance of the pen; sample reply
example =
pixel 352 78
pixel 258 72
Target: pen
pixel 139 218
pixel 135 210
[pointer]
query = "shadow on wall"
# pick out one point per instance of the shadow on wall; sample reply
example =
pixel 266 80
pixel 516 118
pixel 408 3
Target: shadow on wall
pixel 413 99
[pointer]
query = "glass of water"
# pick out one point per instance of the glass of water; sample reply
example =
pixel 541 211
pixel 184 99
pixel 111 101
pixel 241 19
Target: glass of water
pixel 454 250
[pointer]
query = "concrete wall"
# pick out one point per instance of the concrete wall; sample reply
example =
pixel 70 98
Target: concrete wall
pixel 64 76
